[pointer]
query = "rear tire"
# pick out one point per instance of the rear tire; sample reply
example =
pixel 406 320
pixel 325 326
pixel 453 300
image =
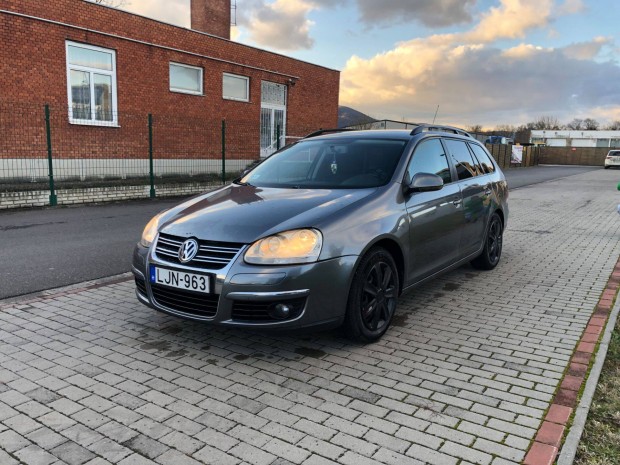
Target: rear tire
pixel 493 241
pixel 373 297
pixel 607 167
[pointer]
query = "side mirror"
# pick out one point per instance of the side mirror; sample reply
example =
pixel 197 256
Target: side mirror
pixel 425 182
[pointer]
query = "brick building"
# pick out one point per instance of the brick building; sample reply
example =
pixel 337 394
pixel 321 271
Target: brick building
pixel 103 70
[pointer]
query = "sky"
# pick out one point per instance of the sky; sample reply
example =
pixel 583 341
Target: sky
pixel 486 62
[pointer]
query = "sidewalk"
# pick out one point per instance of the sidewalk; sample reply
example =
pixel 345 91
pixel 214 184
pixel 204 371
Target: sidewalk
pixel 465 375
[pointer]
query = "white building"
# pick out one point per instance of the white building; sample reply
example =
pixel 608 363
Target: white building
pixel 575 138
pixel 384 124
pixel 392 124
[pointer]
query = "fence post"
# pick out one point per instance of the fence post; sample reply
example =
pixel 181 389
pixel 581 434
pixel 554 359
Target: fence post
pixel 48 130
pixel 223 151
pixel 278 137
pixel 151 171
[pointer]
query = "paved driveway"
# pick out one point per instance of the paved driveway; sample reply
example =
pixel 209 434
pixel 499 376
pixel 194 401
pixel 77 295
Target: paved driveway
pixel 464 375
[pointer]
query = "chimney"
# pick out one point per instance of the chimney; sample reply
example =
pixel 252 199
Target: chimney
pixel 212 17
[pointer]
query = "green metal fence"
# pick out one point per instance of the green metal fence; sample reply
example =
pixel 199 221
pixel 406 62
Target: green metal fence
pixel 135 155
pixel 42 149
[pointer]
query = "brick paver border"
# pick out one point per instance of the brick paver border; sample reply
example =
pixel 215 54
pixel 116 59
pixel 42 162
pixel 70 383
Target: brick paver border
pixel 546 445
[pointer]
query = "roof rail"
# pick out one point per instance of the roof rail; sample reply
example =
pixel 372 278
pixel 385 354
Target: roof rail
pixel 320 132
pixel 439 128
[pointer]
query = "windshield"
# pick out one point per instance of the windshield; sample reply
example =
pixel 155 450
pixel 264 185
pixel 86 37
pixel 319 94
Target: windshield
pixel 330 164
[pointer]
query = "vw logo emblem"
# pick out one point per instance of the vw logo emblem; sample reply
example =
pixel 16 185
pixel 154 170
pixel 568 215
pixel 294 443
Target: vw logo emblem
pixel 188 250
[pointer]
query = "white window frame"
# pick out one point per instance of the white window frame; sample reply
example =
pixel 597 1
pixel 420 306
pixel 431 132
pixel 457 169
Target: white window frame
pixel 247 87
pixel 92 121
pixel 185 91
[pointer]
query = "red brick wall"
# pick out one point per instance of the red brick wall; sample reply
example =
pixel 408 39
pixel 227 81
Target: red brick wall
pixel 33 70
pixel 211 16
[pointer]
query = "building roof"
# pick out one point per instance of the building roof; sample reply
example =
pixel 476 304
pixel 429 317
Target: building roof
pixel 575 134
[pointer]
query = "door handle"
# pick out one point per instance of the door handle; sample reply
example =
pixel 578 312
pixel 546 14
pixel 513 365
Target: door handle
pixel 488 190
pixel 456 202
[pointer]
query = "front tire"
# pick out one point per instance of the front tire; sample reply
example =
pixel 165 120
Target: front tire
pixel 373 297
pixel 607 167
pixel 492 250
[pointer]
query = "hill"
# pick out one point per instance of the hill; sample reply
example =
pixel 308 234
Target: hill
pixel 348 117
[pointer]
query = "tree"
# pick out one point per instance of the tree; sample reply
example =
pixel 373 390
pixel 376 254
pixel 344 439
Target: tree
pixel 112 3
pixel 575 125
pixel 591 124
pixel 613 126
pixel 545 122
pixel 506 130
pixel 523 134
pixel 474 128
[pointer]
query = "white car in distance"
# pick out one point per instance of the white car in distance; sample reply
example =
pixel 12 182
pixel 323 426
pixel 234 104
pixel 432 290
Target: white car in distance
pixel 612 159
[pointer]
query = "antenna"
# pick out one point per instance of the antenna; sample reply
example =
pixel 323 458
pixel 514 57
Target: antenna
pixel 233 12
pixel 435 117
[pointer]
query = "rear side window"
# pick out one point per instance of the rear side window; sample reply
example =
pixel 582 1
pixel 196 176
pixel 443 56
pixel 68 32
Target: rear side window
pixel 484 158
pixel 430 157
pixel 465 165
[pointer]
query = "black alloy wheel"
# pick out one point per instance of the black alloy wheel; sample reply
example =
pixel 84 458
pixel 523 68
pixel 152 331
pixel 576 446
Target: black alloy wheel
pixel 492 250
pixel 373 296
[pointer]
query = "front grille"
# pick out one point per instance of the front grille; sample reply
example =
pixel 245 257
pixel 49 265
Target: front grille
pixel 262 311
pixel 193 303
pixel 141 286
pixel 211 255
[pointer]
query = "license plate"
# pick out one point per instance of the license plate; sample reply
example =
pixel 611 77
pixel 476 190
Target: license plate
pixel 179 279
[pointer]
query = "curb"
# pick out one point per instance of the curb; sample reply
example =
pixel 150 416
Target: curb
pixel 25 299
pixel 546 445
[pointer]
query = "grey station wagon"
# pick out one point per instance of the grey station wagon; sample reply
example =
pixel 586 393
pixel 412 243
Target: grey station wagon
pixel 328 231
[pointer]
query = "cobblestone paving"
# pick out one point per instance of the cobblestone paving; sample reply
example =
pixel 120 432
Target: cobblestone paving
pixel 464 375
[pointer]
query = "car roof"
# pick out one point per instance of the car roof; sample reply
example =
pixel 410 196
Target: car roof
pixel 403 134
pixel 366 134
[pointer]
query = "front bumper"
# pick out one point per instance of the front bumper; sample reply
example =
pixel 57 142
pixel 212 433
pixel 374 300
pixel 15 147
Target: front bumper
pixel 318 292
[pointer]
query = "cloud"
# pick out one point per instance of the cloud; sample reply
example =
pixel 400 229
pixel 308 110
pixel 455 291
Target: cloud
pixel 603 113
pixel 511 20
pixel 468 76
pixel 522 51
pixel 587 50
pixel 282 24
pixel 436 13
pixel 470 81
pixel 571 7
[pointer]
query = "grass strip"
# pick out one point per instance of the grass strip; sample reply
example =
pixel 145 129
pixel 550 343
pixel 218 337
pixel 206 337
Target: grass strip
pixel 600 442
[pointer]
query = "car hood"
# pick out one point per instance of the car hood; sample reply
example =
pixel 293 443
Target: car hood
pixel 244 214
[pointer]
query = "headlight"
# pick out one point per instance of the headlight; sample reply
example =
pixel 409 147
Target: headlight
pixel 289 247
pixel 150 231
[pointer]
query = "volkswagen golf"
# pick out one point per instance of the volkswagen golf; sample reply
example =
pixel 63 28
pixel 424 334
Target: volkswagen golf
pixel 327 232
